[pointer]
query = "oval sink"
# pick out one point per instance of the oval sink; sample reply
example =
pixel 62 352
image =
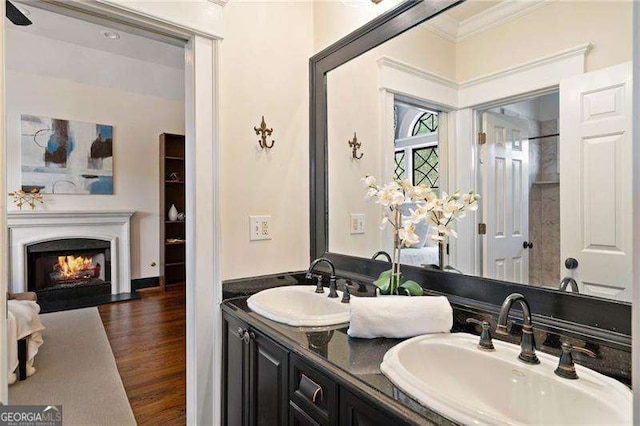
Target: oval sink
pixel 448 374
pixel 300 306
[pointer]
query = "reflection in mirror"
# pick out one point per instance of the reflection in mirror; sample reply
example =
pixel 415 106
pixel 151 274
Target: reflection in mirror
pixel 531 109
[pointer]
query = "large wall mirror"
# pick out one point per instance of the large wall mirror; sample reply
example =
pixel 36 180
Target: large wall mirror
pixel 528 103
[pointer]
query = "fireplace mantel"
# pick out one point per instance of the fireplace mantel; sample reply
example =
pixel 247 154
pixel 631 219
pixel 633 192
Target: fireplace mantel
pixel 30 227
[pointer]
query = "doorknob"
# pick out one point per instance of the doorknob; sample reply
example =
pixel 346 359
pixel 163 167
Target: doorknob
pixel 571 263
pixel 527 245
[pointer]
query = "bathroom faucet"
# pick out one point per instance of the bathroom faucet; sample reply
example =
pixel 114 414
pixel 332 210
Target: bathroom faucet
pixel 568 281
pixel 332 278
pixel 383 254
pixel 527 344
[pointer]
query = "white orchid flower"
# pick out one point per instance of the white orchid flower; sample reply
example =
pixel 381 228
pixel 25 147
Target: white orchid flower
pixel 422 192
pixel 407 234
pixel 383 223
pixel 406 185
pixel 368 181
pixel 371 194
pixel 417 216
pixel 437 237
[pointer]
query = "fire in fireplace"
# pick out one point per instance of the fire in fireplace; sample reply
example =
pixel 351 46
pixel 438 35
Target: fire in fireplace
pixel 71 269
pixel 69 263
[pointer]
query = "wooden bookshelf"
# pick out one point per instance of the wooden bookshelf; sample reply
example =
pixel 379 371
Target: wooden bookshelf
pixel 172 191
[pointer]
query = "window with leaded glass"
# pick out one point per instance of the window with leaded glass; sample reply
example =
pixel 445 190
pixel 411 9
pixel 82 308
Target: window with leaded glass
pixel 425 166
pixel 427 123
pixel 399 171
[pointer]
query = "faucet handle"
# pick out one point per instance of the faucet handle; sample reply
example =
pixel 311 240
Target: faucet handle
pixel 566 368
pixel 346 295
pixel 319 287
pixel 486 343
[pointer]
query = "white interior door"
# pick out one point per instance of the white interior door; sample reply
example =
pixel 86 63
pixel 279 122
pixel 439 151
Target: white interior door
pixel 505 195
pixel 595 188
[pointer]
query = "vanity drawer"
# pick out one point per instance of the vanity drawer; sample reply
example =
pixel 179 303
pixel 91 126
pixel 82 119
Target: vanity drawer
pixel 297 417
pixel 312 393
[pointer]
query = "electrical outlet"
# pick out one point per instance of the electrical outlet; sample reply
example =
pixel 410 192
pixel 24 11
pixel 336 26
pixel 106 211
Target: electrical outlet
pixel 259 228
pixel 357 223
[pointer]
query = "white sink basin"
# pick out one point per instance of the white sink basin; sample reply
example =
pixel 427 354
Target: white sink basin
pixel 300 306
pixel 447 373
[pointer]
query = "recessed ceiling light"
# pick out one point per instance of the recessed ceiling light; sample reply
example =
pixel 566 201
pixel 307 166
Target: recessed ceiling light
pixel 111 35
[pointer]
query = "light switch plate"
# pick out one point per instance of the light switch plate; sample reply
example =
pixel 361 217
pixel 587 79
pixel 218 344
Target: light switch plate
pixel 357 223
pixel 259 228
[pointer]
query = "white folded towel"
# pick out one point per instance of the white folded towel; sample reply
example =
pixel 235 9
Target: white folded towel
pixel 399 316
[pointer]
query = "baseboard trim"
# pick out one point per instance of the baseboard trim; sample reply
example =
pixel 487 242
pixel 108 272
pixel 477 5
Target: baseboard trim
pixel 140 283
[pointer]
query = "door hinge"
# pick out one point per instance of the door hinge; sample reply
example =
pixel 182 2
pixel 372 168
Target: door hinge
pixel 482 229
pixel 482 138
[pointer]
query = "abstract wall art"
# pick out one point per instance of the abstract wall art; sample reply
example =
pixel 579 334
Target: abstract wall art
pixel 66 157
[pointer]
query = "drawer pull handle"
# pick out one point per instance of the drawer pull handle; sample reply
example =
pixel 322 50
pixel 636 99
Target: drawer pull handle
pixel 310 389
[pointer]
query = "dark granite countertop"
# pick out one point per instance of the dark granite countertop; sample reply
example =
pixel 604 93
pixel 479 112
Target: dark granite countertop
pixel 355 363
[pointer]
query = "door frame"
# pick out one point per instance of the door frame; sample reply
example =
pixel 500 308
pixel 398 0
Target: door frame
pixel 199 24
pixel 477 127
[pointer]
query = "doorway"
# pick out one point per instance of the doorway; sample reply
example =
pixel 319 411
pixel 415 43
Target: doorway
pixel 520 175
pixel 201 119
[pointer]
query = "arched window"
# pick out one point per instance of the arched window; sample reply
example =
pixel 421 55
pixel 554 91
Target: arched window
pixel 427 123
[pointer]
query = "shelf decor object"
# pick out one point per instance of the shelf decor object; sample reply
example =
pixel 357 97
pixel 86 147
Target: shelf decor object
pixel 172 202
pixel 355 146
pixel 21 197
pixel 173 213
pixel 263 131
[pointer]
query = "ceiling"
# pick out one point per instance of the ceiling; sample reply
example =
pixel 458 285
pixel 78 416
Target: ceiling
pixel 84 33
pixel 470 8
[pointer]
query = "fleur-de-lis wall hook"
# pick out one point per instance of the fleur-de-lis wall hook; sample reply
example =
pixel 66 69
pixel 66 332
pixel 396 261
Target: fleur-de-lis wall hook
pixel 264 131
pixel 355 146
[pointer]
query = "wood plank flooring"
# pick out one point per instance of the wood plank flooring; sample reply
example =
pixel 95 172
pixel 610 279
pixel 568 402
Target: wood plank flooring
pixel 148 339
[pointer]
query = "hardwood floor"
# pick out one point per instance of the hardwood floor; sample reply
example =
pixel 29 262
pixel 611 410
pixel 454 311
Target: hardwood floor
pixel 148 339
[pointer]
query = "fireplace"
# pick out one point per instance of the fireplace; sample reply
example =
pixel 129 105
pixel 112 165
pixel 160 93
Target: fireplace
pixel 73 267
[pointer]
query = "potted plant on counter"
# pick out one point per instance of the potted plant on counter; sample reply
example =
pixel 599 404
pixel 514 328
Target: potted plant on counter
pixel 440 213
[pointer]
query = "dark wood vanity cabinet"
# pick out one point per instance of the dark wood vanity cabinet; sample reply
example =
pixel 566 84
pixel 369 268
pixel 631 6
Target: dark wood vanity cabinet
pixel 355 412
pixel 263 384
pixel 255 372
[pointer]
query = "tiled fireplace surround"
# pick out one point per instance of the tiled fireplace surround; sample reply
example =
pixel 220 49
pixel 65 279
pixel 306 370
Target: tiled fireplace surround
pixel 30 227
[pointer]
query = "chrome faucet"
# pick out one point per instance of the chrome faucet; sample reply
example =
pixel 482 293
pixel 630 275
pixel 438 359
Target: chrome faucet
pixel 383 254
pixel 527 344
pixel 332 278
pixel 568 281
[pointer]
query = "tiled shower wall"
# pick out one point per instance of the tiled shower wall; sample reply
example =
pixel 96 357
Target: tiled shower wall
pixel 544 208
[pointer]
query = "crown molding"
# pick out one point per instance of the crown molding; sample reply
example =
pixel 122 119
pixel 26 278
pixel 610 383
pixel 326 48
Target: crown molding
pixel 540 73
pixel 456 31
pixel 387 62
pixel 580 50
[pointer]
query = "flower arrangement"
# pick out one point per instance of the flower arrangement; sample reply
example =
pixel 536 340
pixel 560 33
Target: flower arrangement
pixel 439 212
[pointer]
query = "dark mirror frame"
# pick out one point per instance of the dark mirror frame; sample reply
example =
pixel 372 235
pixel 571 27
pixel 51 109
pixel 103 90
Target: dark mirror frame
pixel 605 319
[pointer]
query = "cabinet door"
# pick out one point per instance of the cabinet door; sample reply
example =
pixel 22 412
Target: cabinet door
pixel 356 412
pixel 268 366
pixel 235 377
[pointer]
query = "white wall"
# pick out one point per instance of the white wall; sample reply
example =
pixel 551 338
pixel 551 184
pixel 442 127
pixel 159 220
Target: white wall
pixel 137 118
pixel 264 71
pixel 333 19
pixel 553 28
